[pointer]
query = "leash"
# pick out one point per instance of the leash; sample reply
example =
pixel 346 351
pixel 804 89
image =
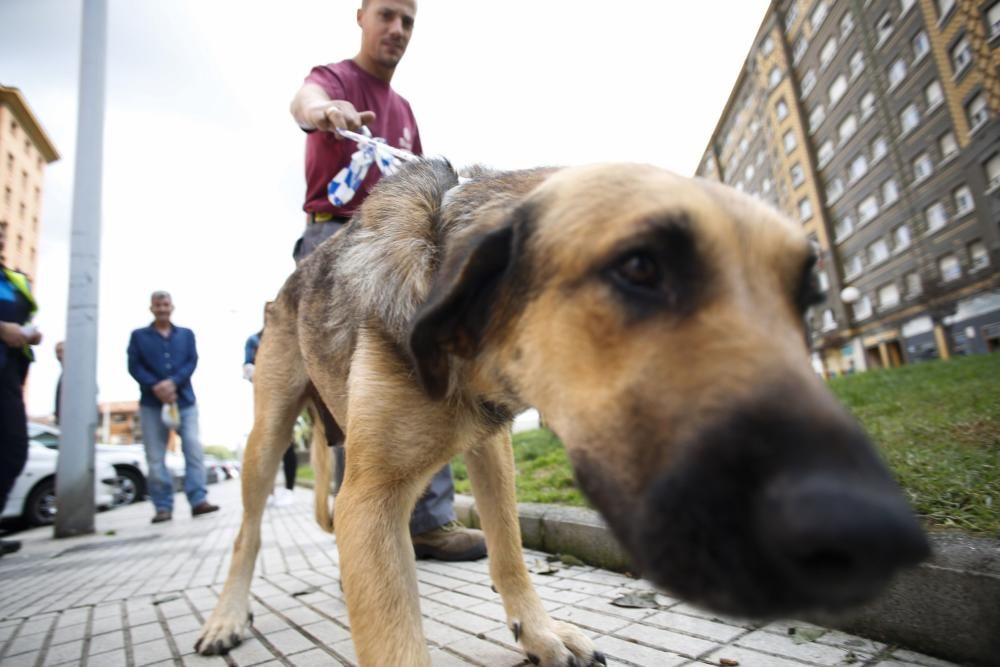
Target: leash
pixel 370 150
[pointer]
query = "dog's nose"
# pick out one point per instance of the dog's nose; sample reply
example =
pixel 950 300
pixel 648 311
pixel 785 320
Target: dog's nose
pixel 836 539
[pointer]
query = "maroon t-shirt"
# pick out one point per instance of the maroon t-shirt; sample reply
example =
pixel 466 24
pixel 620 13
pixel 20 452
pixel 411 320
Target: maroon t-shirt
pixel 326 156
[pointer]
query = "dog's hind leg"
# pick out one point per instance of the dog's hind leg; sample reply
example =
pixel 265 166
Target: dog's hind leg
pixel 547 642
pixel 280 389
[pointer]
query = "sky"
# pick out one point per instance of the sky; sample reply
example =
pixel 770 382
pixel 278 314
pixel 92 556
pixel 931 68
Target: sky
pixel 203 165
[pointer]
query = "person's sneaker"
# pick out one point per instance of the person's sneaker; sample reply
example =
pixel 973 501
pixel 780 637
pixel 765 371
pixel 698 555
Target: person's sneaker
pixel 284 497
pixel 204 507
pixel 162 515
pixel 452 542
pixel 9 547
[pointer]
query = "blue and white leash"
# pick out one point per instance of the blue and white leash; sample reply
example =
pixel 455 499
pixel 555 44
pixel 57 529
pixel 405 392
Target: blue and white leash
pixel 370 150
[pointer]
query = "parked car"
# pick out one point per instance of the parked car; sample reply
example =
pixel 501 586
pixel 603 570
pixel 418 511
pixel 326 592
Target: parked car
pixel 33 498
pixel 129 462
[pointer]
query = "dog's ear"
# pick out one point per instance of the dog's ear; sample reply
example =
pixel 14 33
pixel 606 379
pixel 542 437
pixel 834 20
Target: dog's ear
pixel 454 318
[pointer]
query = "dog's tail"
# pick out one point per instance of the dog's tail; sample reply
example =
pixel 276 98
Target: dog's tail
pixel 319 458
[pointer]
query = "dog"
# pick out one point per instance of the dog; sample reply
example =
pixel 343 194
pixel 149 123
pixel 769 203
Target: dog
pixel 658 324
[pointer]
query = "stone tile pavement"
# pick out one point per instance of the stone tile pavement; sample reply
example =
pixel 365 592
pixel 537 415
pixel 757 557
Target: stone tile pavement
pixel 136 594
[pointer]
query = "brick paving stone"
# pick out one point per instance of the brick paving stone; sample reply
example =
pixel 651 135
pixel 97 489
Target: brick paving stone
pixel 470 623
pixel 748 658
pixel 62 653
pixel 327 632
pixel 152 651
pixel 786 646
pixel 441 658
pixel 69 633
pixel 486 652
pixel 27 659
pixel 675 642
pixel 116 658
pixel 289 641
pixel 106 642
pixel 146 632
pixel 590 619
pixel 619 649
pixel 694 625
pixel 312 658
pixel 301 615
pixel 904 656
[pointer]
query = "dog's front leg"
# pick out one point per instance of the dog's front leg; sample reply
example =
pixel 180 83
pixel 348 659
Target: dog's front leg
pixel 547 642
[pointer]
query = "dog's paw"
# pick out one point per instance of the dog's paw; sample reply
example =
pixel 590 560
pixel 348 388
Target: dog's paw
pixel 222 632
pixel 558 645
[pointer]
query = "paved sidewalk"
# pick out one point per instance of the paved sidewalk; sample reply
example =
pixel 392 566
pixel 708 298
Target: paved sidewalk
pixel 136 594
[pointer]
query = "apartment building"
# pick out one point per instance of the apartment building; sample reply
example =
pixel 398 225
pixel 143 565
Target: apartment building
pixel 25 150
pixel 876 125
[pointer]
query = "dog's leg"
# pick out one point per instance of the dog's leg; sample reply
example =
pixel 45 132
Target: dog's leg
pixel 279 396
pixel 396 440
pixel 547 642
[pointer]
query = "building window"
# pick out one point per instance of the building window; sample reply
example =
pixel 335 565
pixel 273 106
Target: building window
pixel 774 78
pixel 921 46
pixel 799 49
pixel 883 27
pixel 790 141
pixel 846 24
pixel 867 105
pixel 829 322
pixel 857 64
pixel 808 82
pixel 950 268
pixel 843 228
pixel 923 167
pixel 901 238
pixel 834 189
pixel 879 148
pixel 791 15
pixel 897 72
pixel 904 6
pixel 828 52
pixel 818 16
pixel 977 112
pixel 805 209
pixel 767 46
pixel 748 173
pixel 766 186
pixel 854 266
pixel 857 168
pixel 867 209
pixel 944 8
pixel 963 200
pixel 888 296
pixel 913 285
pixel 948 146
pixel 823 281
pixel 847 128
pixel 781 110
pixel 878 252
pixel 979 258
pixel 816 117
pixel 992 169
pixel 936 217
pixel 993 18
pixel 837 89
pixel 863 308
pixel 961 55
pixel 825 153
pixel 798 176
pixel 910 118
pixel 934 95
pixel 890 192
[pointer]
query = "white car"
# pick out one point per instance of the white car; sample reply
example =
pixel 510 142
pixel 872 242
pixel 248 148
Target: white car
pixel 129 462
pixel 33 497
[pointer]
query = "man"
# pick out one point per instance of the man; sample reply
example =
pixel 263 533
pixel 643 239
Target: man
pixel 17 335
pixel 348 95
pixel 60 350
pixel 162 357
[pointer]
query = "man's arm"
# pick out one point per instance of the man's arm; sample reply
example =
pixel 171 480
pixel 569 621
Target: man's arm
pixel 313 109
pixel 136 367
pixel 186 369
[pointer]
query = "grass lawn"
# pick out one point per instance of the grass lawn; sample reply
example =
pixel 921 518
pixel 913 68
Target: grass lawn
pixel 937 424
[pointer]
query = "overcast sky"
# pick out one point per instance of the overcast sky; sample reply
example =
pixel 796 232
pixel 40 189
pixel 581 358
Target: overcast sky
pixel 203 179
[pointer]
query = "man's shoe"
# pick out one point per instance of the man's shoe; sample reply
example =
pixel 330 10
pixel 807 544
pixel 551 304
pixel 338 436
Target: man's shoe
pixel 9 547
pixel 204 507
pixel 162 515
pixel 452 542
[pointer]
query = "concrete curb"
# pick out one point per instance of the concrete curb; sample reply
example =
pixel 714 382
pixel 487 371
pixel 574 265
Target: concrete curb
pixel 948 606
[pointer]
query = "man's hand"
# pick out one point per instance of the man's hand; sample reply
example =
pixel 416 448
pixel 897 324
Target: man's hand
pixel 248 372
pixel 13 334
pixel 165 390
pixel 332 114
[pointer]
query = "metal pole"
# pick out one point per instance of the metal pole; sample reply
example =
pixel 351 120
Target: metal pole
pixel 78 411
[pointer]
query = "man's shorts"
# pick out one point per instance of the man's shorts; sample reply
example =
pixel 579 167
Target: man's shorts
pixel 315 234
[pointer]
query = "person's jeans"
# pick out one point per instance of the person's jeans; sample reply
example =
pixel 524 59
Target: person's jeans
pixel 160 480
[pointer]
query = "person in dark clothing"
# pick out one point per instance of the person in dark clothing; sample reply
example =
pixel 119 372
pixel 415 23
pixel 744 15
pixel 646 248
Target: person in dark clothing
pixel 17 335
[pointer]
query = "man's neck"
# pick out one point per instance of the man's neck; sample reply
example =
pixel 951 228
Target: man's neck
pixel 373 68
pixel 163 328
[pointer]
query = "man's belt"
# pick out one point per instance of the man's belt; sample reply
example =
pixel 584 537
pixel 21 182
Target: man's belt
pixel 321 216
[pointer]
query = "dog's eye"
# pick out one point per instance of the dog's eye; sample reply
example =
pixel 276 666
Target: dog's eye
pixel 809 293
pixel 637 269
